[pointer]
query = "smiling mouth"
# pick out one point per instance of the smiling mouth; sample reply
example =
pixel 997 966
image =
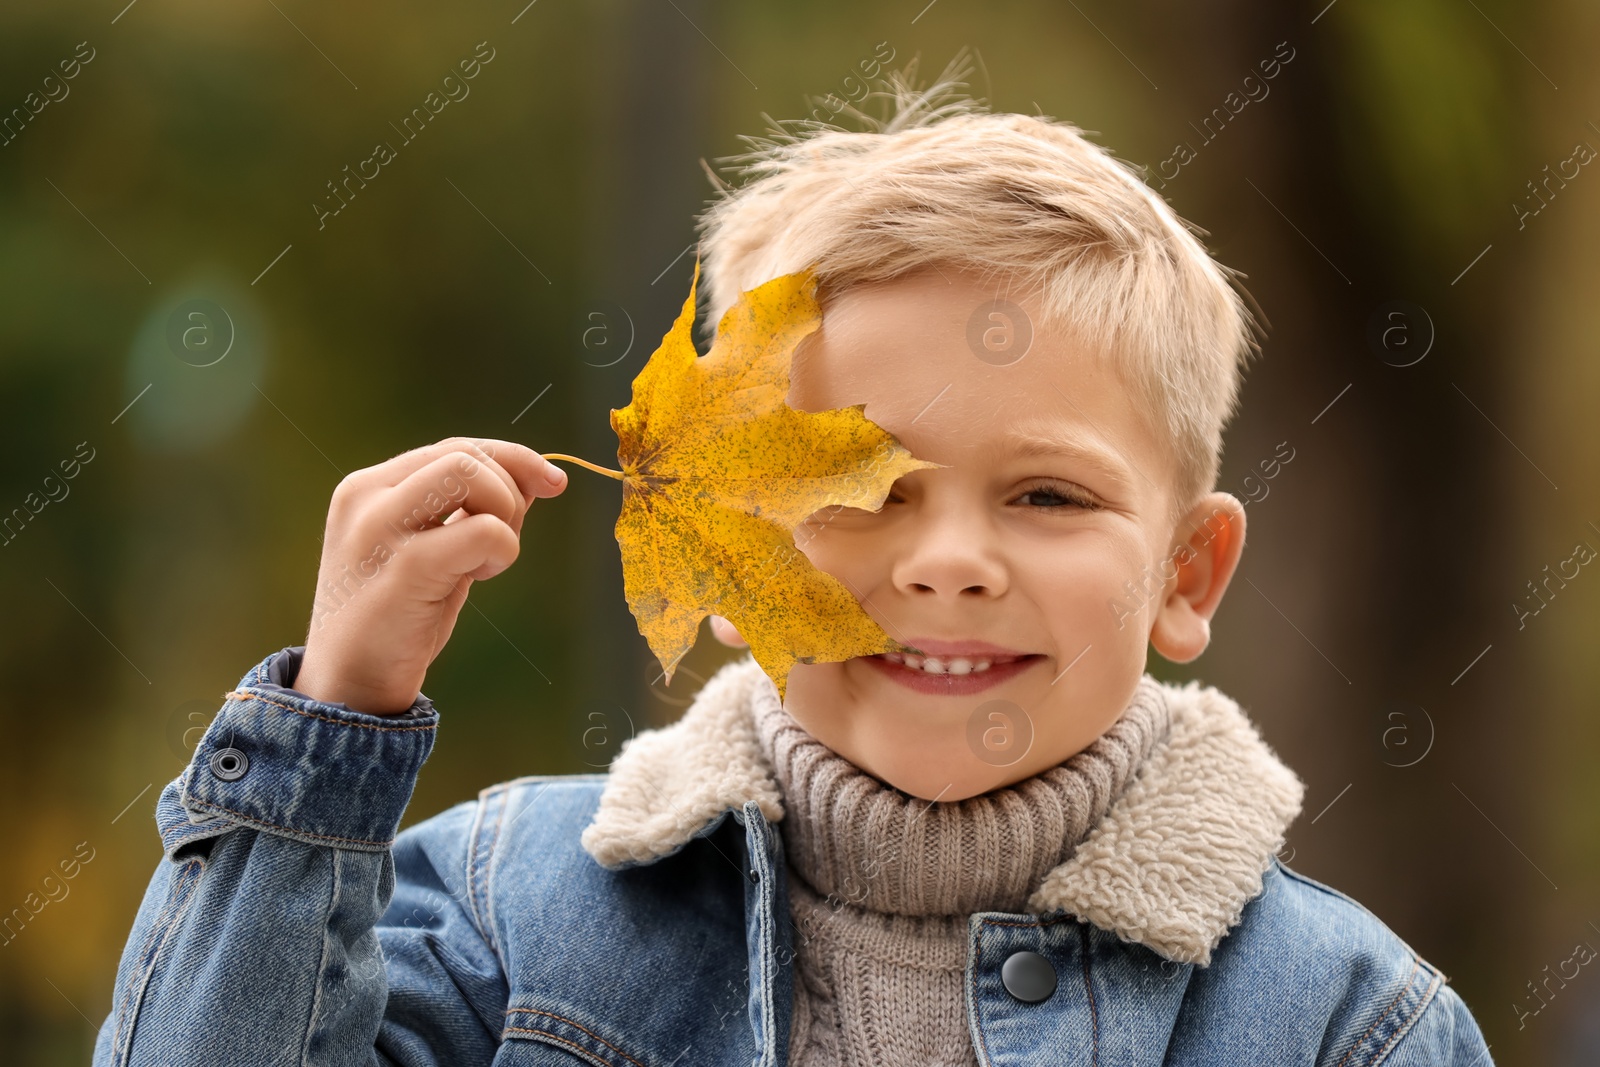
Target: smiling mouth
pixel 952 676
pixel 951 664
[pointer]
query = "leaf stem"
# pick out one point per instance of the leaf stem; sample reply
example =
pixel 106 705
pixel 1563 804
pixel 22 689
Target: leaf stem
pixel 607 471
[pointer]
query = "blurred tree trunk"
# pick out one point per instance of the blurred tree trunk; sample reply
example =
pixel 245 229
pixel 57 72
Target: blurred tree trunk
pixel 647 99
pixel 1381 562
pixel 1556 339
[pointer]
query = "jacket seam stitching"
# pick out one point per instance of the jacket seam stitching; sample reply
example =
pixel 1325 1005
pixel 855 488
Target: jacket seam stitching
pixel 134 997
pixel 489 857
pixel 1410 978
pixel 523 781
pixel 547 1036
pixel 1088 988
pixel 769 1037
pixel 1337 894
pixel 473 837
pixel 1036 922
pixel 144 953
pixel 236 694
pixel 289 829
pixel 474 882
pixel 977 953
pixel 569 1022
pixel 1427 998
pixel 322 966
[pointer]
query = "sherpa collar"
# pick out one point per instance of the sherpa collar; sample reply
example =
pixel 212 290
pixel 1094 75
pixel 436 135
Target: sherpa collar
pixel 1171 866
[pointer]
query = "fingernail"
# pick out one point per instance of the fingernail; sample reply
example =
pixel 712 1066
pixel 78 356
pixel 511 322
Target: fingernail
pixel 554 474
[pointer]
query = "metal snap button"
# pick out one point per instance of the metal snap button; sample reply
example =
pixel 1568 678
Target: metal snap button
pixel 1028 976
pixel 754 876
pixel 229 764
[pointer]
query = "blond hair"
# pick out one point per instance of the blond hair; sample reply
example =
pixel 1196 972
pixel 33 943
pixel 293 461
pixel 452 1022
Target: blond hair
pixel 941 180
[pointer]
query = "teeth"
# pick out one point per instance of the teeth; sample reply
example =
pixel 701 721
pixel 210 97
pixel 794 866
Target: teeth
pixel 935 665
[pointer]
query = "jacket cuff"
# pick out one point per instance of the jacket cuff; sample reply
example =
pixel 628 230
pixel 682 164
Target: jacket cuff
pixel 285 763
pixel 283 669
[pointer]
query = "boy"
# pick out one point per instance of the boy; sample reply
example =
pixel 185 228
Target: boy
pixel 1016 848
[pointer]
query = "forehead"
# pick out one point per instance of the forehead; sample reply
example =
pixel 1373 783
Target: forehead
pixel 962 368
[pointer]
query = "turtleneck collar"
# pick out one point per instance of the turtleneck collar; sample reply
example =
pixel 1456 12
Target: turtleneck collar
pixel 855 838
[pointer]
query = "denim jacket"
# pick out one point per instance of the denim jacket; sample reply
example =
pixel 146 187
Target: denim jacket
pixel 640 919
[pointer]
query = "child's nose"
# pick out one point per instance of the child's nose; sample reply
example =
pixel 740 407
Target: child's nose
pixel 950 559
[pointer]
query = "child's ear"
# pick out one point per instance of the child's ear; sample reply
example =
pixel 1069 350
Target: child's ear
pixel 1204 562
pixel 723 630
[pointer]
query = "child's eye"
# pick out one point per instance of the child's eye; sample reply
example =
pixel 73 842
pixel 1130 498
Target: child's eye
pixel 1053 496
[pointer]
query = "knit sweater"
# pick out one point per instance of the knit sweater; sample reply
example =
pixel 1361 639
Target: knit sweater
pixel 881 883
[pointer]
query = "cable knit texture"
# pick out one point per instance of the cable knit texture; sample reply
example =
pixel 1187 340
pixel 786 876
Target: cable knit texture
pixel 881 883
pixel 1164 853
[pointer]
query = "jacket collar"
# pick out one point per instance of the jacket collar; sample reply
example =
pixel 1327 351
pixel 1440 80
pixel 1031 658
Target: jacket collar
pixel 1170 867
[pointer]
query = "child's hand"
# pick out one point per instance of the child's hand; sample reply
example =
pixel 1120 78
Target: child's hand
pixel 405 539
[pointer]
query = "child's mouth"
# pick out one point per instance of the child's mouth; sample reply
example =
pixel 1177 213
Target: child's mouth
pixel 951 675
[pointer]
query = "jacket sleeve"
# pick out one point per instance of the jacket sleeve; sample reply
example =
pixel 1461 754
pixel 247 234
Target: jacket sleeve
pixel 285 923
pixel 1444 1035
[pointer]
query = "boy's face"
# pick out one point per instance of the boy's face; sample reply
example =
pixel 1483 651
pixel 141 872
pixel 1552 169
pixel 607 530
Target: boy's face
pixel 1056 494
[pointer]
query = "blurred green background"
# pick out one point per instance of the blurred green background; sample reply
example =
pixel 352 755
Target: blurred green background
pixel 508 273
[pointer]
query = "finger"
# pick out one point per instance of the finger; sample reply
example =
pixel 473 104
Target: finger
pixel 525 471
pixel 486 447
pixel 535 476
pixel 518 464
pixel 456 480
pixel 483 449
pixel 485 455
pixel 478 546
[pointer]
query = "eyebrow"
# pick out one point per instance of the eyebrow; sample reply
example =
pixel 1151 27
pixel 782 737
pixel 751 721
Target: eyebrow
pixel 1031 441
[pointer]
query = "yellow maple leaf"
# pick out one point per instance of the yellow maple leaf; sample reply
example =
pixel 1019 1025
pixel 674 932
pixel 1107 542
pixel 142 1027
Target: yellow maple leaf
pixel 717 473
